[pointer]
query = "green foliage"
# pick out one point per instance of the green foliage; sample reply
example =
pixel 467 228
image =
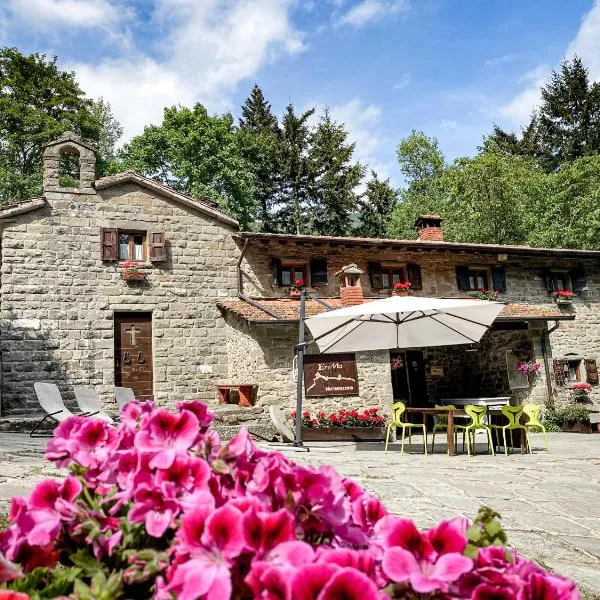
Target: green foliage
pixel 552 422
pixel 486 530
pixel 555 418
pixel 3 522
pixel 199 155
pixel 47 583
pixel 375 208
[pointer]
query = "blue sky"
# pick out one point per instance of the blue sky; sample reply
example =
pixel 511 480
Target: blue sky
pixel 384 67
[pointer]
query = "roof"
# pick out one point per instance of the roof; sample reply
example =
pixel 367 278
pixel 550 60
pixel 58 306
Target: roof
pixel 287 310
pixel 382 243
pixel 206 206
pixel 19 208
pixel 70 136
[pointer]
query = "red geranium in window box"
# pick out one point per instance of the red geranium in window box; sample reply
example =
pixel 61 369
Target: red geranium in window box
pixel 402 289
pixel 563 296
pixel 131 271
pixel 296 288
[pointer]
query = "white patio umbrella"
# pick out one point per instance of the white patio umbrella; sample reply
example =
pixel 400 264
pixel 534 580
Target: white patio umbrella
pixel 403 322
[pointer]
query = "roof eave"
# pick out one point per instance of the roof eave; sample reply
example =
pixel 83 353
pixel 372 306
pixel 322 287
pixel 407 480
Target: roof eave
pixel 23 207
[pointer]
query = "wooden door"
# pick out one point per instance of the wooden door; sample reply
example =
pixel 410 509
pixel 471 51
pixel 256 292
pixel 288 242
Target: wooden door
pixel 133 353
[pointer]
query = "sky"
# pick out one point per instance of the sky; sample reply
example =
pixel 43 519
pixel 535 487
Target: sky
pixel 451 68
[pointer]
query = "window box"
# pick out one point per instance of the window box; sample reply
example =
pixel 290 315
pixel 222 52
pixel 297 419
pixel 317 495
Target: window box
pixel 133 275
pixel 563 300
pixel 343 434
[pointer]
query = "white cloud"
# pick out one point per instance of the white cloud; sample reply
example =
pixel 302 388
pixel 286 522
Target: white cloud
pixel 87 14
pixel 402 82
pixel 586 44
pixel 368 11
pixel 500 60
pixel 206 49
pixel 448 124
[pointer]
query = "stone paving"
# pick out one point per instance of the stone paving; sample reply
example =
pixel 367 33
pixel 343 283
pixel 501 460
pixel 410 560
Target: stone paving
pixel 550 502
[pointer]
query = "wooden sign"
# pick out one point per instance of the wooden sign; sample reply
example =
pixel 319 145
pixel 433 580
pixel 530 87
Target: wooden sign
pixel 330 375
pixel 437 371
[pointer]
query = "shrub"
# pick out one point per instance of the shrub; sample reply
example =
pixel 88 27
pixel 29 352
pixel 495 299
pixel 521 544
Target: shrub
pixel 158 507
pixel 349 419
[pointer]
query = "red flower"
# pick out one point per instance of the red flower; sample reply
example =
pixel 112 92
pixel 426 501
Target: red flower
pixel 402 286
pixel 306 414
pixel 321 415
pixel 315 422
pixel 293 414
pixel 564 294
pixel 333 418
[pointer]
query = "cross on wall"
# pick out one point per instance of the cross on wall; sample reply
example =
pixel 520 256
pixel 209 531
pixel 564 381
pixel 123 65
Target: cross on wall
pixel 132 333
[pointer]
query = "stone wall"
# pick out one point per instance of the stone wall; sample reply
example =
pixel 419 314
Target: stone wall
pixel 264 354
pixel 58 298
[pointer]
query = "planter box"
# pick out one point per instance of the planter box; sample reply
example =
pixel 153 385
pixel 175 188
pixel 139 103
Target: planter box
pixel 563 301
pixel 577 427
pixel 343 434
pixel 133 275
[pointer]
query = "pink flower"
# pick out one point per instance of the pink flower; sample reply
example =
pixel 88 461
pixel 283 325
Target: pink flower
pixel 367 510
pixel 165 435
pixel 349 584
pixel 200 410
pixel 309 581
pixel 265 530
pixel 8 570
pixel 57 449
pixel 201 577
pixel 224 532
pixel 10 595
pixel 156 507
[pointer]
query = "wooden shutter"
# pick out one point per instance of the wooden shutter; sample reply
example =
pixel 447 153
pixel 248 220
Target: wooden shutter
pixel 591 371
pixel 318 272
pixel 276 268
pixel 579 280
pixel 462 278
pixel 559 371
pixel 109 245
pixel 498 279
pixel 549 279
pixel 413 273
pixel 158 252
pixel 375 275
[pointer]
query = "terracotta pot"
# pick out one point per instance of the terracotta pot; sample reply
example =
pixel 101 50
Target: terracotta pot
pixel 343 434
pixel 133 275
pixel 400 293
pixel 295 294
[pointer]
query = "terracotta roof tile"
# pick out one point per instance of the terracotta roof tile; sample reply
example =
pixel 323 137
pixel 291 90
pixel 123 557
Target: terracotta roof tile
pixel 288 310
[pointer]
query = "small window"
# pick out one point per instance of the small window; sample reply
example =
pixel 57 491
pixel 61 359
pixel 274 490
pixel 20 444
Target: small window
pixel 132 246
pixel 478 280
pixel 558 280
pixel 385 277
pixel 290 273
pixel 473 279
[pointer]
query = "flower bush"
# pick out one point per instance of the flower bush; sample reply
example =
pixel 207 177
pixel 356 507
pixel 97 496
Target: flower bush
pixel 402 287
pixel 298 285
pixel 529 368
pixel 131 266
pixel 563 294
pixel 159 508
pixel 370 417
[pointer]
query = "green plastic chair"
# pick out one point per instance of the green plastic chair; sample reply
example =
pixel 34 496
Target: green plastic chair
pixel 477 414
pixel 533 412
pixel 398 409
pixel 513 414
pixel 442 424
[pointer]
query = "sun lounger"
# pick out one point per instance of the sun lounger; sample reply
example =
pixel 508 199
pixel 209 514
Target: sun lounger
pixel 51 401
pixel 123 396
pixel 89 403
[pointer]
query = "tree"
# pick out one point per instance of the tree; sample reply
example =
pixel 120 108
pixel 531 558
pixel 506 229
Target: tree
pixel 334 178
pixel 566 125
pixel 423 166
pixel 295 172
pixel 199 155
pixel 490 198
pixel 259 139
pixel 38 102
pixel 375 208
pixel 110 133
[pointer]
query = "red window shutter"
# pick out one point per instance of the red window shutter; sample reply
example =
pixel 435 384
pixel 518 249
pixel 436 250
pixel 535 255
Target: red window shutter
pixel 158 252
pixel 591 371
pixel 108 240
pixel 559 371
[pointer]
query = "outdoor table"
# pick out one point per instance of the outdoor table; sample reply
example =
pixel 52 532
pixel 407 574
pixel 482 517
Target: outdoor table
pixel 450 412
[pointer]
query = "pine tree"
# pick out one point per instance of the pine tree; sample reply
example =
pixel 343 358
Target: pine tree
pixel 334 178
pixel 259 139
pixel 375 208
pixel 295 171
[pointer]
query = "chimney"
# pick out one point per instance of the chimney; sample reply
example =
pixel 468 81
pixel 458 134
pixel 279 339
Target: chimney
pixel 429 228
pixel 350 287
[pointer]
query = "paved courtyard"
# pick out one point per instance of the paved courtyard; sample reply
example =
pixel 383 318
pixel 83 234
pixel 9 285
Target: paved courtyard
pixel 550 503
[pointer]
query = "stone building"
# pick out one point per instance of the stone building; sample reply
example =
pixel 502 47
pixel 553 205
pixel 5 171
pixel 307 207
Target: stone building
pixel 205 304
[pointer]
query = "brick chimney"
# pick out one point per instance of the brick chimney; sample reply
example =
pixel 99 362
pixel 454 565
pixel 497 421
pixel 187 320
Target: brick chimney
pixel 429 228
pixel 350 287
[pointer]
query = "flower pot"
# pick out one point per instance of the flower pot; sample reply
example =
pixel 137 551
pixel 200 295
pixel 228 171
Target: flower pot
pixel 563 300
pixel 577 427
pixel 133 275
pixel 343 434
pixel 400 293
pixel 295 294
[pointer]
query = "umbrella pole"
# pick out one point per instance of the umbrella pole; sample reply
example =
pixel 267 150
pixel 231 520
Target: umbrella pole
pixel 300 377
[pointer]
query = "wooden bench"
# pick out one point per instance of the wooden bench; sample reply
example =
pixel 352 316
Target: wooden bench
pixel 245 391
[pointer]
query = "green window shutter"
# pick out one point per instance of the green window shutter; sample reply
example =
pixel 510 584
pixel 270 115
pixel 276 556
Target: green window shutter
pixel 276 267
pixel 499 279
pixel 318 272
pixel 462 278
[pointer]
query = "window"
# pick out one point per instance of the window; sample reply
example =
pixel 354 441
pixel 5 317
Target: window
pixel 471 279
pixel 558 280
pixel 384 277
pixel 132 246
pixel 292 273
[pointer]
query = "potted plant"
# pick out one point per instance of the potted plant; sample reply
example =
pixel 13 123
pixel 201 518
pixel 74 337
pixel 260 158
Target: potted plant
pixel 131 271
pixel 484 294
pixel 574 418
pixel 401 289
pixel 529 368
pixel 296 288
pixel 563 296
pixel 343 425
pixel 581 392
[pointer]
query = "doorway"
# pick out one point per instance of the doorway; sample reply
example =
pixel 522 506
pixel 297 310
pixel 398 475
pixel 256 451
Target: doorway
pixel 409 383
pixel 133 353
